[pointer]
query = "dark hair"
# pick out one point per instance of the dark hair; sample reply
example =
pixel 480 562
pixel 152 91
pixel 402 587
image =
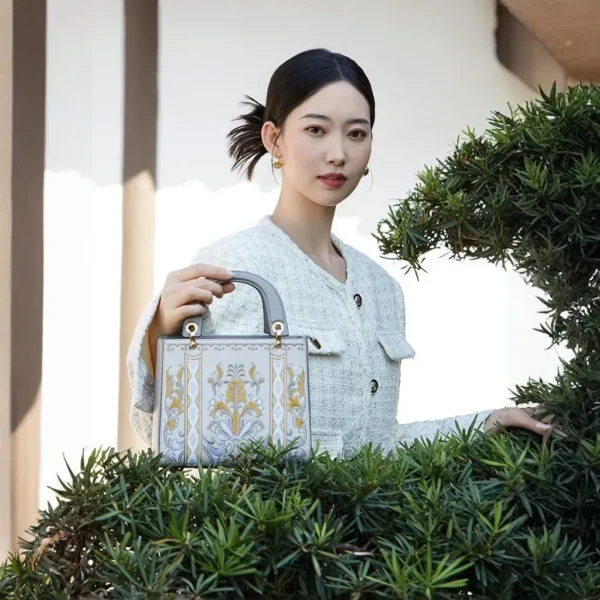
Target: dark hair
pixel 294 81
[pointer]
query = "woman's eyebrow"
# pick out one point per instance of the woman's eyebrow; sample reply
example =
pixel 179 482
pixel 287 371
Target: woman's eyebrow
pixel 326 118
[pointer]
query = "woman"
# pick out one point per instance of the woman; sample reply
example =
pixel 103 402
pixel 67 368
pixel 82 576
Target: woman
pixel 317 126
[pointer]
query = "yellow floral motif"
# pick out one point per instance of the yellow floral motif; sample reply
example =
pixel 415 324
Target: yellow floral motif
pixel 236 413
pixel 174 398
pixel 236 390
pixel 174 390
pixel 169 386
pixel 294 402
pixel 253 379
pixel 236 403
pixel 170 389
pixel 301 384
pixel 296 389
pixel 176 405
pixel 235 398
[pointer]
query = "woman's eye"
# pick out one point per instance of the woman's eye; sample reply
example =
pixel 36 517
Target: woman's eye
pixel 358 134
pixel 315 130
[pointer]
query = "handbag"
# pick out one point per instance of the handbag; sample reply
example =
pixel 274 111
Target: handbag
pixel 214 393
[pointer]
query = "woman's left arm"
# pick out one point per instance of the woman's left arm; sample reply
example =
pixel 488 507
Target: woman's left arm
pixel 409 432
pixel 488 421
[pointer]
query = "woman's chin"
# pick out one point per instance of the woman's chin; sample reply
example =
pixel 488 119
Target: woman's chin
pixel 329 202
pixel 331 198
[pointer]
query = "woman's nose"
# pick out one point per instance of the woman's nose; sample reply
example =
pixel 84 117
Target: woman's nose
pixel 337 153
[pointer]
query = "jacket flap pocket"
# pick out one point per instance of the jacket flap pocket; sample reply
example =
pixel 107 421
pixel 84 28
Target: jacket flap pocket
pixel 320 341
pixel 325 343
pixel 395 345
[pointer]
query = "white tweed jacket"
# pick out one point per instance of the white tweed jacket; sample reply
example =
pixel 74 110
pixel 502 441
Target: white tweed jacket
pixel 360 325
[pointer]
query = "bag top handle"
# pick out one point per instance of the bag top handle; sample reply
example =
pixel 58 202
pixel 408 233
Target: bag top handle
pixel 273 309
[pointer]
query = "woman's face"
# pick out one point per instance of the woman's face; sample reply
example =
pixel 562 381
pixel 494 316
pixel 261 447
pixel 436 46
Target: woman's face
pixel 325 144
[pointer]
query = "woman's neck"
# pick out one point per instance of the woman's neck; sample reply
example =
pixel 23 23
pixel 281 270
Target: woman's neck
pixel 307 224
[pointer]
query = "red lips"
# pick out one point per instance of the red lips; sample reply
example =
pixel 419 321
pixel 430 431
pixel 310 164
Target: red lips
pixel 334 176
pixel 333 180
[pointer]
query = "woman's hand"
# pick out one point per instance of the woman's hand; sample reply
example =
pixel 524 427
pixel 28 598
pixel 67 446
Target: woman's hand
pixel 524 418
pixel 185 294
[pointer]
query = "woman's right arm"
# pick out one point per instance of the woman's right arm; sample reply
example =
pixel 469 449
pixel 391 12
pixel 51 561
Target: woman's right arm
pixel 185 294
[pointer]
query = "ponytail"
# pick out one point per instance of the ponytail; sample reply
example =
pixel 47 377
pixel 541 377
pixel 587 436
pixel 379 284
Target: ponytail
pixel 245 142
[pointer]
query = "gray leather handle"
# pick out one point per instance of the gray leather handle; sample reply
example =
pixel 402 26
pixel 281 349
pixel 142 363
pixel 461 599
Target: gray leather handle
pixel 273 310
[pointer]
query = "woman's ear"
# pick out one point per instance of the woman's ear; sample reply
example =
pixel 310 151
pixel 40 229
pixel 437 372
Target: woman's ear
pixel 270 135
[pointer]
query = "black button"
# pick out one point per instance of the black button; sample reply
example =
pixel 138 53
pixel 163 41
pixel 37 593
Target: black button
pixel 374 386
pixel 358 300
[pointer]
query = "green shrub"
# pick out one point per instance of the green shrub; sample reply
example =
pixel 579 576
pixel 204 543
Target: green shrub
pixel 526 193
pixel 503 517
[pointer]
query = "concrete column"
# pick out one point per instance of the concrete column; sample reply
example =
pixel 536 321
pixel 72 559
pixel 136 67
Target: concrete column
pixel 6 57
pixel 28 163
pixel 139 176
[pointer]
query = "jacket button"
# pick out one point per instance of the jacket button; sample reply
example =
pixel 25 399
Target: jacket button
pixel 358 300
pixel 374 386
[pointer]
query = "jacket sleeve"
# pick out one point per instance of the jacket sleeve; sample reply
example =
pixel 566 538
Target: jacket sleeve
pixel 408 432
pixel 238 313
pixel 141 376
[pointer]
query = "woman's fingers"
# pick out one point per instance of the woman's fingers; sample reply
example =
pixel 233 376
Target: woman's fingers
pixel 189 294
pixel 218 289
pixel 190 310
pixel 536 414
pixel 199 270
pixel 526 421
pixel 519 417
